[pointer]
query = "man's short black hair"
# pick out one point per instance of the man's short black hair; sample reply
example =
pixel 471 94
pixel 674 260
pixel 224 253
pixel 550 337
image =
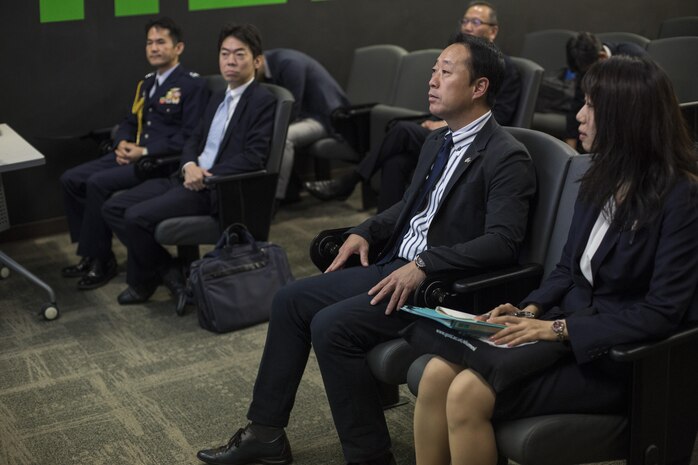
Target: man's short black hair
pixel 164 22
pixel 583 51
pixel 248 34
pixel 486 60
pixel 493 10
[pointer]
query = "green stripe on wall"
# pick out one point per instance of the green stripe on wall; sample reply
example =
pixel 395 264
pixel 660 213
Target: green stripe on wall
pixel 61 10
pixel 136 7
pixel 195 5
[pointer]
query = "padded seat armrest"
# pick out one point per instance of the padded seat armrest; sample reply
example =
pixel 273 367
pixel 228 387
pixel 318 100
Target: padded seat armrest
pixel 485 280
pixel 152 166
pixel 353 110
pixel 634 352
pixel 475 291
pixel 213 180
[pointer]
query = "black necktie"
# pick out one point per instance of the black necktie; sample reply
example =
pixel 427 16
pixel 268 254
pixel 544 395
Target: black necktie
pixel 419 204
pixel 434 175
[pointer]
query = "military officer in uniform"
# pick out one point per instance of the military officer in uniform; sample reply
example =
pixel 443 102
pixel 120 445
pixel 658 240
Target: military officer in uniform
pixel 166 109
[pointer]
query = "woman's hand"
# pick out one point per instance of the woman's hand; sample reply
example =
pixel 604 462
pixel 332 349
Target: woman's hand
pixel 521 325
pixel 520 330
pixel 531 311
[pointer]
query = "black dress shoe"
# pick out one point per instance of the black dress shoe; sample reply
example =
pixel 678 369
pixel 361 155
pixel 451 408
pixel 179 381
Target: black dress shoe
pixel 244 448
pixel 76 271
pixel 136 294
pixel 332 189
pixel 99 274
pixel 173 279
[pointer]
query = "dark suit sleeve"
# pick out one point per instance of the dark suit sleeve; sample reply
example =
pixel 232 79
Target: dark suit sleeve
pixel 194 98
pixel 671 289
pixel 292 75
pixel 507 100
pixel 509 193
pixel 379 228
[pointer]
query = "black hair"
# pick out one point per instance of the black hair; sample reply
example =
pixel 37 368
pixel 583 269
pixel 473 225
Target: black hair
pixel 248 34
pixel 486 60
pixel 583 51
pixel 164 22
pixel 642 145
pixel 493 10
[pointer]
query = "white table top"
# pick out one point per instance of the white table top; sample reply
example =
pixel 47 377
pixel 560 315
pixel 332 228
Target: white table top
pixel 15 152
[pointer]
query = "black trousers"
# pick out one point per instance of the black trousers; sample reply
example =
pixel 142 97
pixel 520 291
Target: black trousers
pixel 396 159
pixel 85 189
pixel 330 312
pixel 134 214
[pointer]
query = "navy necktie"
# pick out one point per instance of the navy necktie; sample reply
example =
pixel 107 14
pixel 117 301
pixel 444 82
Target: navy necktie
pixel 434 175
pixel 428 185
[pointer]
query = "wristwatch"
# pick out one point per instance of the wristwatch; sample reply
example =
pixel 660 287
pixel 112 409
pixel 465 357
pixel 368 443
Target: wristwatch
pixel 421 264
pixel 558 328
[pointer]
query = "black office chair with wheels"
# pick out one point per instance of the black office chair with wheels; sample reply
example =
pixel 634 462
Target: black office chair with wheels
pixel 552 159
pixel 246 198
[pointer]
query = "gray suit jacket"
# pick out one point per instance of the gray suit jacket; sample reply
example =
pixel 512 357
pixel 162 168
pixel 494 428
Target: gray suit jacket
pixel 482 218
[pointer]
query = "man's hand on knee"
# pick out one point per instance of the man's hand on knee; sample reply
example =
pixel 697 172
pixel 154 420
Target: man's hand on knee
pixel 400 284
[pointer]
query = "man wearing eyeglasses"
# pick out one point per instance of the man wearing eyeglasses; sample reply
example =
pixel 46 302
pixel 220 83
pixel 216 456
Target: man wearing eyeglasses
pixel 398 153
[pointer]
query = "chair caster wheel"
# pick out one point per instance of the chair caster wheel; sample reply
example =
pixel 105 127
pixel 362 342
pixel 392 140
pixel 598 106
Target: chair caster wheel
pixel 50 311
pixel 4 272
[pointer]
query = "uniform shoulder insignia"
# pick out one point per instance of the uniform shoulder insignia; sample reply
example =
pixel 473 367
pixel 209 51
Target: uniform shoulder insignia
pixel 193 74
pixel 149 75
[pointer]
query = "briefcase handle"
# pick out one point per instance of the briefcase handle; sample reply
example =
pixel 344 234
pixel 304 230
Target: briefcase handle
pixel 236 233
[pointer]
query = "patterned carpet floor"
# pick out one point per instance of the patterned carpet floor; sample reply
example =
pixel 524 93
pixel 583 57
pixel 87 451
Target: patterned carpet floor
pixel 106 384
pixel 112 385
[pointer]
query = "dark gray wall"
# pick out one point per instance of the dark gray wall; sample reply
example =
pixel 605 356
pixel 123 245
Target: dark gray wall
pixel 59 79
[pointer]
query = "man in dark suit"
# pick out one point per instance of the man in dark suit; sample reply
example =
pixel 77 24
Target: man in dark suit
pixel 167 108
pixel 233 137
pixel 397 155
pixel 466 208
pixel 316 95
pixel 582 52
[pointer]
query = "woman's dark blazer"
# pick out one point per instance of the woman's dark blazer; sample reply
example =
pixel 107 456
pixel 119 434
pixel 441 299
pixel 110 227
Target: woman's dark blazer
pixel 644 279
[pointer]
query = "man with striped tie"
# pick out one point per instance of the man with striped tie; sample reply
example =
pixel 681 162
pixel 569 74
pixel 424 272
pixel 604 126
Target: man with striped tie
pixel 467 207
pixel 166 109
pixel 233 137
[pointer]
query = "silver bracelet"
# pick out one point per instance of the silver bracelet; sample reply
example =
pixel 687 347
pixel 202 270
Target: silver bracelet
pixel 524 314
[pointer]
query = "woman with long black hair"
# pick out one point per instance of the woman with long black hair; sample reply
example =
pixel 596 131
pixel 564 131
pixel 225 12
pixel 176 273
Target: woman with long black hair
pixel 628 272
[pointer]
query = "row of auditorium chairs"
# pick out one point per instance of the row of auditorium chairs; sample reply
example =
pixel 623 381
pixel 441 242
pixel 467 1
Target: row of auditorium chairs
pixel 678 56
pixel 661 421
pixel 387 82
